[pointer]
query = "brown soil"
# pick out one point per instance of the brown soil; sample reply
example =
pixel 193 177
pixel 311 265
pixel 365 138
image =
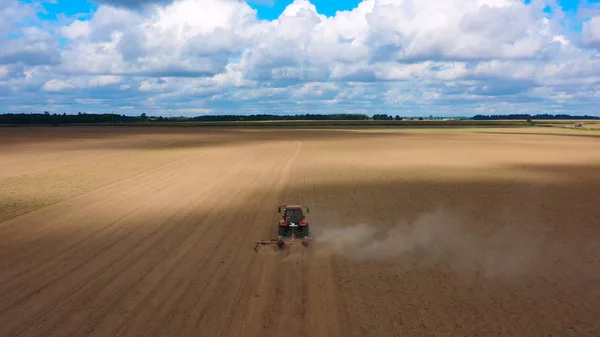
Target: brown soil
pixel 149 232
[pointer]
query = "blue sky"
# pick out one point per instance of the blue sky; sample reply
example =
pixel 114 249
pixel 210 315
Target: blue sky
pixel 267 9
pixel 79 8
pixel 407 57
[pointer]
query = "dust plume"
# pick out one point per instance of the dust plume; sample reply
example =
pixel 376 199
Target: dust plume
pixel 438 237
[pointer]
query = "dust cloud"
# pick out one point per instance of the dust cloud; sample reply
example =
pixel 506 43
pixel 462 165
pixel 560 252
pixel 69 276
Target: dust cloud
pixel 438 237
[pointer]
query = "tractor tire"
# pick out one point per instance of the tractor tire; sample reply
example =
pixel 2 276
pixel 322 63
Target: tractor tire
pixel 305 233
pixel 283 231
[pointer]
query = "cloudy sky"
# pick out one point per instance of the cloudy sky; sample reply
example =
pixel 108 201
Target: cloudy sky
pixel 406 57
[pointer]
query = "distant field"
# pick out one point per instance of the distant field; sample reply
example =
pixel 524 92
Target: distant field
pixel 349 124
pixel 138 231
pixel 370 123
pixel 550 130
pixel 323 124
pixel 570 124
pixel 570 121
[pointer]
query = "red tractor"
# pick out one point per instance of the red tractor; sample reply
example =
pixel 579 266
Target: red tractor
pixel 292 227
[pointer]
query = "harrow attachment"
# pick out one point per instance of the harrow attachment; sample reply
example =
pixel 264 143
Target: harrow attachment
pixel 281 243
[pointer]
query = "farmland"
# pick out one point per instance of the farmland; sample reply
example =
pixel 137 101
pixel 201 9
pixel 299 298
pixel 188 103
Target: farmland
pixel 139 231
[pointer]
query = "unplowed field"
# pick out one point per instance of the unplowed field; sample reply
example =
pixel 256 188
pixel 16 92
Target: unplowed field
pixel 149 232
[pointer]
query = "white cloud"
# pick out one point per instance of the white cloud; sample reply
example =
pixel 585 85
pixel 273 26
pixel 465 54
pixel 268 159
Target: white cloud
pixel 11 12
pixel 4 71
pixel 316 89
pixel 233 76
pixel 153 85
pixel 457 29
pixel 191 111
pixel 399 71
pixel 591 32
pixel 57 85
pixel 186 38
pixel 82 82
pixel 24 44
pixel 386 54
pixel 134 4
pixel 77 29
pixel 92 101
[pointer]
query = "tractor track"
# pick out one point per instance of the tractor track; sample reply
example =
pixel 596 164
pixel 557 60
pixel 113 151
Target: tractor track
pixel 164 259
pixel 153 238
pixel 42 242
pixel 169 263
pixel 213 268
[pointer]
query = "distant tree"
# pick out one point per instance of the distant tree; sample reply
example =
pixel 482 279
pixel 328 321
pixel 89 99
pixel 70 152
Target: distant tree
pixel 80 117
pixel 397 118
pixel 382 117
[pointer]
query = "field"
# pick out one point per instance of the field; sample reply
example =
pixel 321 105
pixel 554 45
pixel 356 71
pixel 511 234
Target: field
pixel 138 231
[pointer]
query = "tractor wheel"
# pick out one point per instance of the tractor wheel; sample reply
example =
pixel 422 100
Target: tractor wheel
pixel 283 231
pixel 305 233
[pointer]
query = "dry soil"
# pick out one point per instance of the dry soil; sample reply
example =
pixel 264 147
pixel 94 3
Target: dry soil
pixel 149 232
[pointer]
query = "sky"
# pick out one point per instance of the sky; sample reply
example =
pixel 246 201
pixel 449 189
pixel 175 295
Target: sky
pixel 399 57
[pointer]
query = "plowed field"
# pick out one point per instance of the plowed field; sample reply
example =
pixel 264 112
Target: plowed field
pixel 149 232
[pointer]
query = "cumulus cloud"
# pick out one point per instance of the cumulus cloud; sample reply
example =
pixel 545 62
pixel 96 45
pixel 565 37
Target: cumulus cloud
pixel 11 12
pixel 133 4
pixel 456 30
pixel 591 32
pixel 409 56
pixel 188 38
pixel 78 83
pixel 34 47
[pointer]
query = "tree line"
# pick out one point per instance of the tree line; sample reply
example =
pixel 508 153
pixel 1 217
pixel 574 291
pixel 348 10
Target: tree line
pixel 531 117
pixel 48 118
pixel 265 117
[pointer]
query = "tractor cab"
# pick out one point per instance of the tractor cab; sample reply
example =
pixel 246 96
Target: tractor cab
pixel 293 215
pixel 293 222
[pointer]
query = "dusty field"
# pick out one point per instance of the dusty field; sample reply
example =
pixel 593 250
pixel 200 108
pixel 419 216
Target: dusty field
pixel 149 232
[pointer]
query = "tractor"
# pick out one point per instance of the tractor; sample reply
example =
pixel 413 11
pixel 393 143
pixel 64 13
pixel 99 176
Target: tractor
pixel 292 227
